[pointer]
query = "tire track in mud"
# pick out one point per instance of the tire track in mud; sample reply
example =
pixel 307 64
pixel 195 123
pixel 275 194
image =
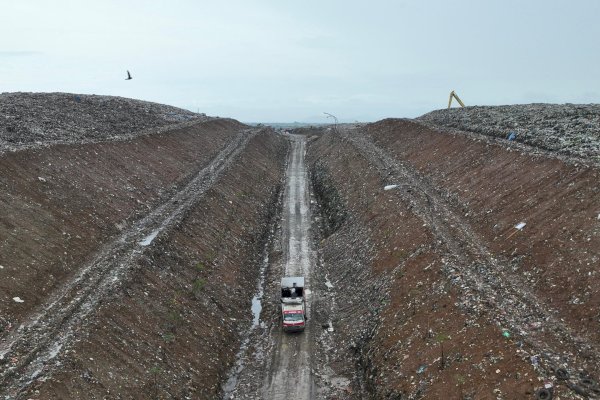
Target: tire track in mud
pixel 27 352
pixel 484 280
pixel 279 365
pixel 290 373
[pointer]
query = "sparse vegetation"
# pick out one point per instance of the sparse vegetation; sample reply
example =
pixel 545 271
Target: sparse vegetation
pixel 168 337
pixel 441 338
pixel 198 285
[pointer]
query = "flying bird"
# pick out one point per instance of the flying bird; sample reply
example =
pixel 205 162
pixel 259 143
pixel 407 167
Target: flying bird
pixel 128 76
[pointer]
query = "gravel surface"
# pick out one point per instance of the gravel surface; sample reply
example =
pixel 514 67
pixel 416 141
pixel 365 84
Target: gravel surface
pixel 569 129
pixel 45 118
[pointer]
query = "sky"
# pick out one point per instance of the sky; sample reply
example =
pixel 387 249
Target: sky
pixel 286 61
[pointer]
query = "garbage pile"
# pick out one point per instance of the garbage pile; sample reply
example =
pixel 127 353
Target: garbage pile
pixel 569 129
pixel 44 118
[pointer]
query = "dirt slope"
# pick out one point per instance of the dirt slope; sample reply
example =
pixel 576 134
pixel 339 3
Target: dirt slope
pixel 173 329
pixel 132 244
pixel 125 259
pixel 62 202
pixel 435 265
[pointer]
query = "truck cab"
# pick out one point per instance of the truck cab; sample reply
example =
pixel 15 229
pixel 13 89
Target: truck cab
pixel 293 310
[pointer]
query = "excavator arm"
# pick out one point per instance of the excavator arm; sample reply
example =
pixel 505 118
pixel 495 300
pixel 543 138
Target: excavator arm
pixel 453 94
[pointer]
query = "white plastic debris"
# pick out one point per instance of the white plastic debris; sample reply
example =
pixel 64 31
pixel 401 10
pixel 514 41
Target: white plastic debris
pixel 520 225
pixel 41 179
pixel 389 187
pixel 328 283
pixel 1 266
pixel 148 239
pixel 18 300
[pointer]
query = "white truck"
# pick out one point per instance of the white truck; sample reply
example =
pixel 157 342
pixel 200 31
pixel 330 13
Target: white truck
pixel 293 305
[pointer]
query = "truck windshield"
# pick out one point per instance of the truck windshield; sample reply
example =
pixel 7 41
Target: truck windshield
pixel 293 317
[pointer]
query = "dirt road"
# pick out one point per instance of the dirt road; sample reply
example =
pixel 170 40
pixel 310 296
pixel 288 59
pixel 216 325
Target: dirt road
pixel 273 364
pixel 290 373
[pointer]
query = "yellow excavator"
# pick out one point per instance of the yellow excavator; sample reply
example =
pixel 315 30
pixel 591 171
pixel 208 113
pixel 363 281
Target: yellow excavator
pixel 454 95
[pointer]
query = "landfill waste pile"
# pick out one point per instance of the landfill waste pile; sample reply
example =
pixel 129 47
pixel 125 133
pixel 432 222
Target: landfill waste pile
pixel 571 129
pixel 43 118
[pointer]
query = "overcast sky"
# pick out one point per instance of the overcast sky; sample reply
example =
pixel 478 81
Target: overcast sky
pixel 285 60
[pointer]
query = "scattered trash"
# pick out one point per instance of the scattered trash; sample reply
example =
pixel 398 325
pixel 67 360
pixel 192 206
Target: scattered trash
pixel 520 225
pixel 389 187
pixel 517 228
pixel 41 179
pixel 18 300
pixel 587 382
pixel 535 325
pixel 1 266
pixel 577 389
pixel 534 360
pixel 328 283
pixel 562 374
pixel 511 136
pixel 506 334
pixel 421 369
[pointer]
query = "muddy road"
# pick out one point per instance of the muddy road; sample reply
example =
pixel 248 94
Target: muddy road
pixel 290 373
pixel 274 364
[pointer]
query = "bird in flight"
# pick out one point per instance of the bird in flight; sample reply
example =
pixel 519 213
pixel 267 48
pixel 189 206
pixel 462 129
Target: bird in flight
pixel 128 76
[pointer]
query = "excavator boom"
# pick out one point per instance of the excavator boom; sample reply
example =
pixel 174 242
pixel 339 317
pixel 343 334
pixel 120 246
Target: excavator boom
pixel 453 94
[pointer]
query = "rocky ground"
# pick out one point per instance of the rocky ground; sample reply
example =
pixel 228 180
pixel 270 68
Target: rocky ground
pixel 569 129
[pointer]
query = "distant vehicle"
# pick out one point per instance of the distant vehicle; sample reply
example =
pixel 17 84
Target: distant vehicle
pixel 293 305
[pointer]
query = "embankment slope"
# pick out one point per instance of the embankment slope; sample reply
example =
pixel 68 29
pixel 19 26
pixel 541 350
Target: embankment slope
pixel 450 299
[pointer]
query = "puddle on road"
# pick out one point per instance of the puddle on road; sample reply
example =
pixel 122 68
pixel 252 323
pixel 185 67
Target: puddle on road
pixel 256 308
pixel 148 239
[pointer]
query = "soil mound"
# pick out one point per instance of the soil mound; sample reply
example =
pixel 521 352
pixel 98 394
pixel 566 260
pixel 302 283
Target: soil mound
pixel 570 129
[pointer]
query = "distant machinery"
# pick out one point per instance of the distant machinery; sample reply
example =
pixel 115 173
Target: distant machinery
pixel 334 119
pixel 454 95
